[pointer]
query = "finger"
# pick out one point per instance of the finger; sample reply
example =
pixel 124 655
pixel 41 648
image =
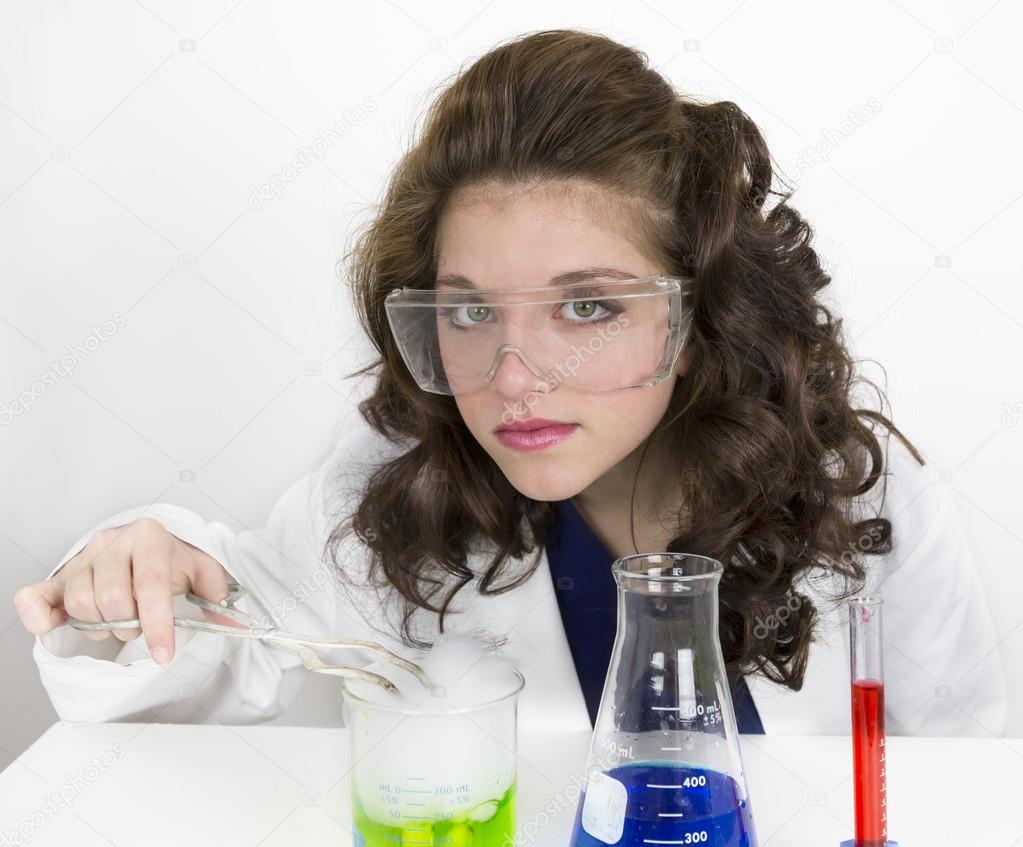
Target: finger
pixel 101 543
pixel 151 567
pixel 209 581
pixel 80 601
pixel 114 598
pixel 104 549
pixel 40 606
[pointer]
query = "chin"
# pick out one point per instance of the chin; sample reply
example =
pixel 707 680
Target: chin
pixel 544 484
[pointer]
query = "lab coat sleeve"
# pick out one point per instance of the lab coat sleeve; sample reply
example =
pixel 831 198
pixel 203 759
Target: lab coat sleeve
pixel 212 678
pixel 943 672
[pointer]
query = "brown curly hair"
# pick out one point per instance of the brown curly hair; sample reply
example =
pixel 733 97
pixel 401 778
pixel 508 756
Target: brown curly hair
pixel 763 422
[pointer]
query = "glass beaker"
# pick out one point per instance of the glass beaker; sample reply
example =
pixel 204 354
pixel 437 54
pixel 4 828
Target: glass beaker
pixel 664 765
pixel 440 774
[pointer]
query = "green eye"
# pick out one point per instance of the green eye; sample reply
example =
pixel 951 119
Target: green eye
pixel 584 311
pixel 477 313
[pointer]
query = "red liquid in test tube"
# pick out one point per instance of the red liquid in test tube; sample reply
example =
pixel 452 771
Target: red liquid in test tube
pixel 869 762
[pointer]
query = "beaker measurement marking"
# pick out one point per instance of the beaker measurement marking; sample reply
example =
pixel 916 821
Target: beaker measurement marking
pixel 689 782
pixel 689 709
pixel 694 839
pixel 671 814
pixel 397 788
pixel 671 748
pixel 620 750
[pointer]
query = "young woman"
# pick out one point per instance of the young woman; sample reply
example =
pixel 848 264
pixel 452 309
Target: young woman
pixel 588 254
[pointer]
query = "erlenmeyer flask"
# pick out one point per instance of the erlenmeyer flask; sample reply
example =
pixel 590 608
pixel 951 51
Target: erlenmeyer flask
pixel 664 765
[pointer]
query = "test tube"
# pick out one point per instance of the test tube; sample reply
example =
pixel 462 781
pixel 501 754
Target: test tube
pixel 868 731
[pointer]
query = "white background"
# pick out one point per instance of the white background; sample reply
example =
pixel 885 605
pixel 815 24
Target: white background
pixel 133 134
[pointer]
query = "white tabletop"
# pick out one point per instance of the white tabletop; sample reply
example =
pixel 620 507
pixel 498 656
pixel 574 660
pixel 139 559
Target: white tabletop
pixel 127 784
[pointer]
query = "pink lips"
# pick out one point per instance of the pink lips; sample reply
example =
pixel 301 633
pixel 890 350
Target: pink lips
pixel 535 439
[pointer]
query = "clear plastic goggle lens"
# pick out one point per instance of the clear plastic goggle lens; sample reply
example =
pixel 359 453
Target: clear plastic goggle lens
pixel 595 337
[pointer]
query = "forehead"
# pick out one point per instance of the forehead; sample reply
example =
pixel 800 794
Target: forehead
pixel 503 236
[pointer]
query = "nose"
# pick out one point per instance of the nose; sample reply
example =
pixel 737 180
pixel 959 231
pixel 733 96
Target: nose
pixel 513 377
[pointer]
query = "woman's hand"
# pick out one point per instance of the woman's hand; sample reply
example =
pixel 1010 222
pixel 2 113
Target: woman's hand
pixel 130 571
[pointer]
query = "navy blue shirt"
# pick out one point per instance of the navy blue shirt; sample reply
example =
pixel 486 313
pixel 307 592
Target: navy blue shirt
pixel 588 598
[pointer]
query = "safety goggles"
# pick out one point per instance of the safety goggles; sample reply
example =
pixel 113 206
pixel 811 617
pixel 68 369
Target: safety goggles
pixel 593 336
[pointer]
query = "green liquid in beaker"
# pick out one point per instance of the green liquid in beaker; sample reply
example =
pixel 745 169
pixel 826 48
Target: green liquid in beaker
pixel 455 829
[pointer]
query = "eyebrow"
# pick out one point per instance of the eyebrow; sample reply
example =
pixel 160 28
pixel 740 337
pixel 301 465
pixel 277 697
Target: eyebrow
pixel 567 278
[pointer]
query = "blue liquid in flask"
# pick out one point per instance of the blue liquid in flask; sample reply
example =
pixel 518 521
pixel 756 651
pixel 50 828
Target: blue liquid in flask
pixel 712 809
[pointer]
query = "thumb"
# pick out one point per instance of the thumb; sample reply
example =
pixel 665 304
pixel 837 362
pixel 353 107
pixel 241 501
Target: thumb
pixel 40 606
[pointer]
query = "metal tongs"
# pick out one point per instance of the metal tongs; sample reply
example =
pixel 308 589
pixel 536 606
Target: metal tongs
pixel 293 642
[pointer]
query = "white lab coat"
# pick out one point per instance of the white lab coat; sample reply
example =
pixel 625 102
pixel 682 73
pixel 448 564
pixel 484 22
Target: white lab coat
pixel 943 671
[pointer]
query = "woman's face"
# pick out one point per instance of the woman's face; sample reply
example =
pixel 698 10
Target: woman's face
pixel 511 237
